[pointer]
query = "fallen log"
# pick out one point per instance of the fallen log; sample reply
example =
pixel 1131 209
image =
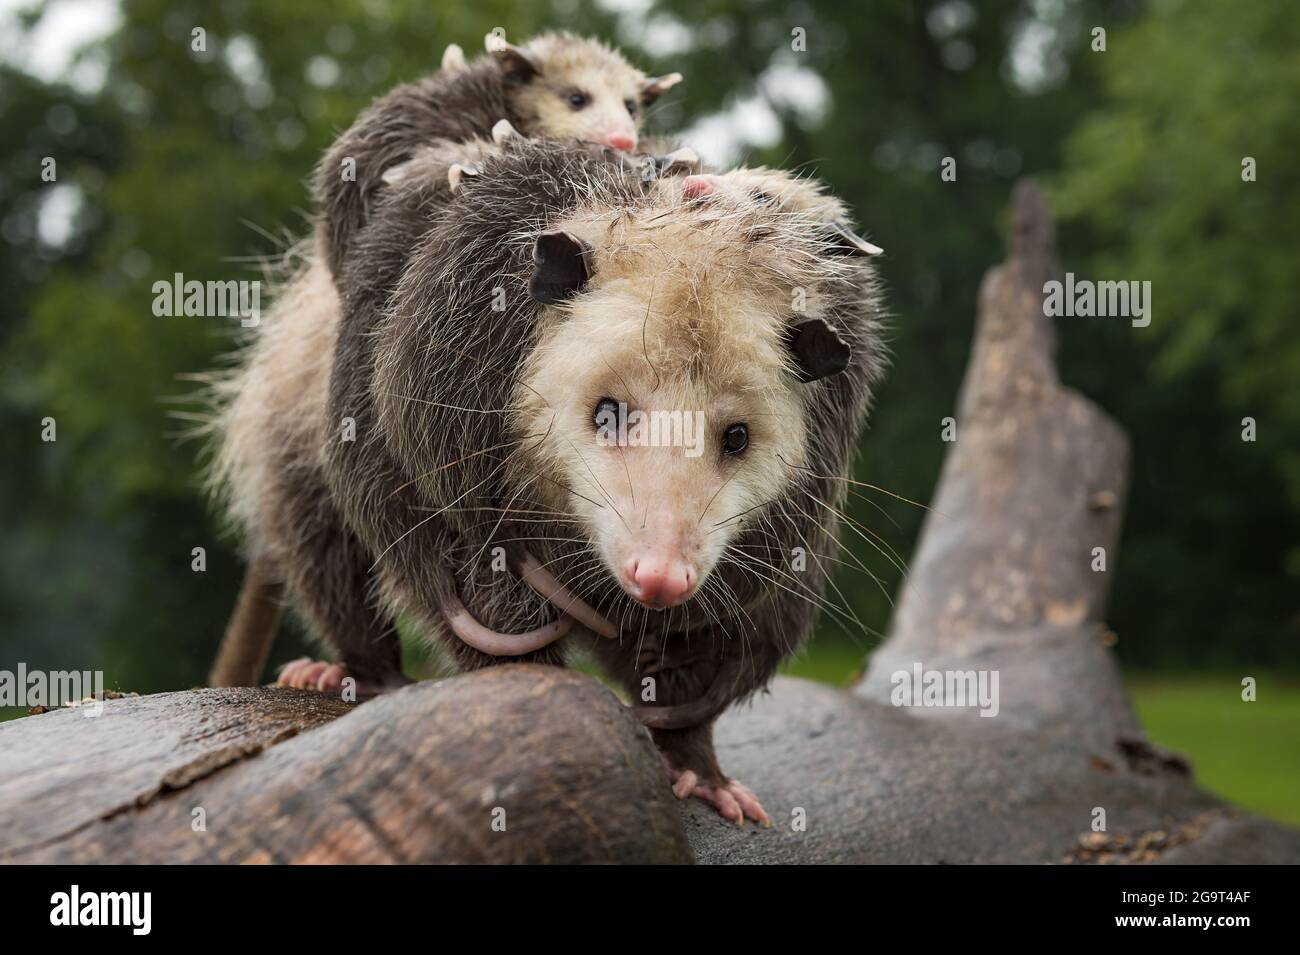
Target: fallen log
pixel 512 764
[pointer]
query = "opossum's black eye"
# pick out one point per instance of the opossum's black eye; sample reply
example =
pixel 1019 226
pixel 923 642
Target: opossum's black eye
pixel 735 439
pixel 606 416
pixel 764 199
pixel 631 107
pixel 578 99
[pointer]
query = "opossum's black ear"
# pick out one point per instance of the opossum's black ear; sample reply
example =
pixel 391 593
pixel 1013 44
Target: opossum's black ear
pixel 560 267
pixel 818 350
pixel 515 62
pixel 656 85
pixel 842 240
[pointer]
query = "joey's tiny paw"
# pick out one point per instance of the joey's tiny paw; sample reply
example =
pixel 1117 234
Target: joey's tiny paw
pixel 308 674
pixel 503 132
pixel 730 798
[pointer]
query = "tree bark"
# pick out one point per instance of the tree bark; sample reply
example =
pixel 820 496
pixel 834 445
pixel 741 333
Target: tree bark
pixel 511 764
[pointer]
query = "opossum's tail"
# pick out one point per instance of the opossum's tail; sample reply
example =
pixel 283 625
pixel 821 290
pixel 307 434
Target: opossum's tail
pixel 251 631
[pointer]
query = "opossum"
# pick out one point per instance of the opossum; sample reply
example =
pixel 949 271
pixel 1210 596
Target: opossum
pixel 481 499
pixel 556 85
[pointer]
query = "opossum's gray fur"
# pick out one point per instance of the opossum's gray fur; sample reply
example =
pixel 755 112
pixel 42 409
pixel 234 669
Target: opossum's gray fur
pixel 411 509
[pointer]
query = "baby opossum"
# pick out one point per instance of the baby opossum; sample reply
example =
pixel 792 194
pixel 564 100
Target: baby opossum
pixel 485 336
pixel 556 85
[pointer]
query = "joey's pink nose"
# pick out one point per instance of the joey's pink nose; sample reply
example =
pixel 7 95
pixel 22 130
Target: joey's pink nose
pixel 621 141
pixel 658 580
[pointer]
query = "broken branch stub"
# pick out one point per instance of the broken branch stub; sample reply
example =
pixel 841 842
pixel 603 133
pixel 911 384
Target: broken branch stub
pixel 1028 504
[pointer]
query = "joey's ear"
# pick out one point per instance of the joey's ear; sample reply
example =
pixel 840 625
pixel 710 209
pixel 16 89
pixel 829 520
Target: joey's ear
pixel 844 241
pixel 515 62
pixel 818 350
pixel 656 85
pixel 560 267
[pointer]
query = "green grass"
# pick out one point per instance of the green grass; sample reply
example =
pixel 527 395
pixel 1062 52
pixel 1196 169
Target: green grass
pixel 1249 753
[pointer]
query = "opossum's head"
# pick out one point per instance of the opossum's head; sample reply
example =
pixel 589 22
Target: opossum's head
pixel 666 400
pixel 568 87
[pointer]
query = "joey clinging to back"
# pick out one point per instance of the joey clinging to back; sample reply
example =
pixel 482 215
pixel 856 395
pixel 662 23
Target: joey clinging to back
pixel 554 86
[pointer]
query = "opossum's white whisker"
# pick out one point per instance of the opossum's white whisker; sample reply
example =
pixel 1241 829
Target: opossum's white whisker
pixel 444 467
pixel 645 348
pixel 858 529
pixel 721 486
pixel 595 479
pixel 487 538
pixel 439 404
pixel 873 487
pixel 830 581
pixel 821 604
pixel 880 585
pixel 748 510
pixel 426 520
pixel 622 454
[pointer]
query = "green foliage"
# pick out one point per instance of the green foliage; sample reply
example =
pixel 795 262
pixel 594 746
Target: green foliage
pixel 1152 189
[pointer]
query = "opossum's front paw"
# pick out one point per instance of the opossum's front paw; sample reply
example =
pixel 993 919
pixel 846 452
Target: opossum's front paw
pixel 730 798
pixel 308 674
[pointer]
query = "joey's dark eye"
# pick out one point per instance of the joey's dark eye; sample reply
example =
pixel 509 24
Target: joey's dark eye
pixel 764 199
pixel 578 99
pixel 735 439
pixel 606 416
pixel 631 106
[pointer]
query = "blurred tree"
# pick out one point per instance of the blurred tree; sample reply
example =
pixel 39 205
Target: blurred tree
pixel 1199 97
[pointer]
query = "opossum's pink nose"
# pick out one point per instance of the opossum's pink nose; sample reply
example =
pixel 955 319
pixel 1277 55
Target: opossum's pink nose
pixel 621 141
pixel 659 580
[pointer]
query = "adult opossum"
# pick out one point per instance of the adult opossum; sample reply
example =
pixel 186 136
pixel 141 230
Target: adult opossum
pixel 495 345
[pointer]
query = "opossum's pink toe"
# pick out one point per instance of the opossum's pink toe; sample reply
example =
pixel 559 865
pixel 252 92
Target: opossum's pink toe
pixel 732 800
pixel 685 784
pixel 331 678
pixel 290 673
pixel 748 802
pixel 308 674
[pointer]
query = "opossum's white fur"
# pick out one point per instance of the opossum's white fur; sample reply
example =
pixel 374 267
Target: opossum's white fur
pixel 686 312
pixel 578 64
pixel 272 407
